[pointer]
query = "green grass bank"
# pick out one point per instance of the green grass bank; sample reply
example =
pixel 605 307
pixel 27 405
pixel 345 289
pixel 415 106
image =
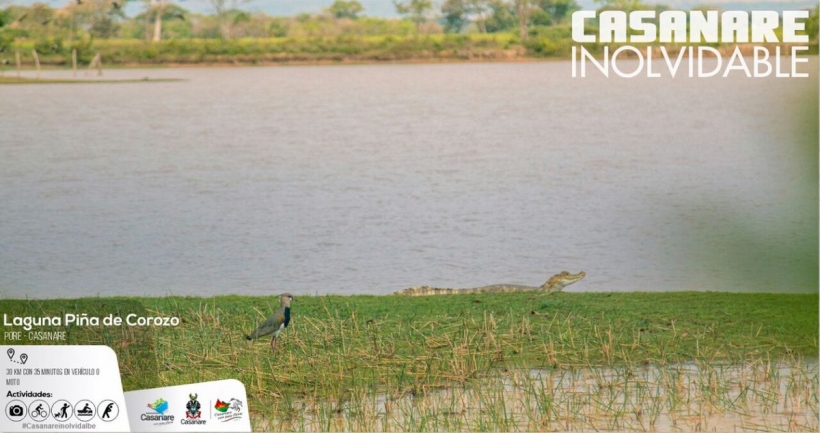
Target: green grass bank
pixel 413 342
pixel 337 49
pixel 26 80
pixel 552 43
pixel 340 348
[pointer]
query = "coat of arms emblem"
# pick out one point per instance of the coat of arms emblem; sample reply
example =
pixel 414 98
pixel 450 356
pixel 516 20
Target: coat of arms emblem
pixel 193 407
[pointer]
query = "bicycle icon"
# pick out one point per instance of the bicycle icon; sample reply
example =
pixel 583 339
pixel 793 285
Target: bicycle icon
pixel 38 410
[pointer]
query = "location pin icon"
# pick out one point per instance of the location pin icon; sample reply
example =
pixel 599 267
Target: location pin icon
pixel 10 353
pixel 23 357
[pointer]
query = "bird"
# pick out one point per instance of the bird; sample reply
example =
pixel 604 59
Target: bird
pixel 275 323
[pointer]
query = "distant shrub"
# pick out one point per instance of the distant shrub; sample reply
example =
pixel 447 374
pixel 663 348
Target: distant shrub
pixel 49 46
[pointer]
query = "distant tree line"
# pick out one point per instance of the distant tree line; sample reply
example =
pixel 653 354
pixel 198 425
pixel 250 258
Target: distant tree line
pixel 164 19
pixel 540 25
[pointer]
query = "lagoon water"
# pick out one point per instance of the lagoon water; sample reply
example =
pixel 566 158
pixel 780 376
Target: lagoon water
pixel 371 179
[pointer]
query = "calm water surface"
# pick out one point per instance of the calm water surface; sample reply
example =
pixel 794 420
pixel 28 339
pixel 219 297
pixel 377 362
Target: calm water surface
pixel 370 179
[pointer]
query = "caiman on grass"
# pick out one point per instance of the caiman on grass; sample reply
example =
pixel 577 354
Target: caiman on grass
pixel 554 284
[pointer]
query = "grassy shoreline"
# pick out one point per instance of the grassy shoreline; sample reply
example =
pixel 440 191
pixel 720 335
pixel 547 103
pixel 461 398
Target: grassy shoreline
pixel 29 80
pixel 340 348
pixel 498 47
pixel 478 332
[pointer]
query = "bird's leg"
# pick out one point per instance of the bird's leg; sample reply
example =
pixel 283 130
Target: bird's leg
pixel 273 344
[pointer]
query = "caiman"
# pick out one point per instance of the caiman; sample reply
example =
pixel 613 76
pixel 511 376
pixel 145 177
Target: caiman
pixel 554 284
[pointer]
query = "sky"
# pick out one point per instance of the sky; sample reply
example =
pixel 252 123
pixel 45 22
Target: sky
pixel 385 8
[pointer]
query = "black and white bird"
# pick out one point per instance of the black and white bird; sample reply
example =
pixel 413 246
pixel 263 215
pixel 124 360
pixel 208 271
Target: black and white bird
pixel 277 322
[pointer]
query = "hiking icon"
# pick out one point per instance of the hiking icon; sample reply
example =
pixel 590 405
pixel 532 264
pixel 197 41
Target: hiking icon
pixel 61 410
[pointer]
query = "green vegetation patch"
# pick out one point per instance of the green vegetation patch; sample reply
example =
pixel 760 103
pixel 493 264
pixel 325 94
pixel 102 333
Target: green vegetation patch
pixel 343 48
pixel 22 80
pixel 449 30
pixel 400 343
